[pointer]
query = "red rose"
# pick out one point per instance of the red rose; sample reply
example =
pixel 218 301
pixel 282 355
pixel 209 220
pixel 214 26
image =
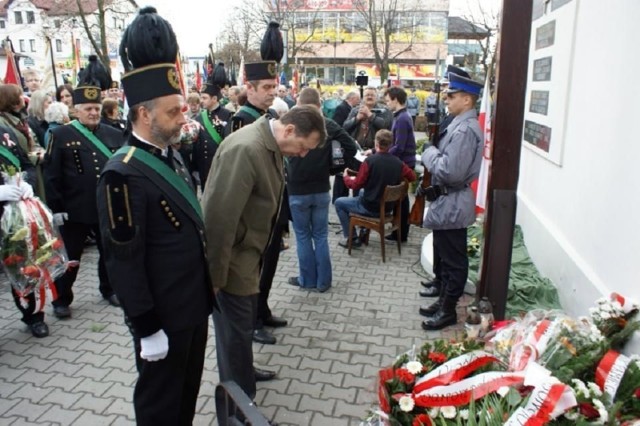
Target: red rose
pixel 386 374
pixel 422 420
pixel 404 376
pixel 637 393
pixel 588 410
pixel 437 357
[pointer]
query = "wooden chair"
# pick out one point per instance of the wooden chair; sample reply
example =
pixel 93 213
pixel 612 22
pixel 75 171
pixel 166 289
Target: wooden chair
pixel 392 194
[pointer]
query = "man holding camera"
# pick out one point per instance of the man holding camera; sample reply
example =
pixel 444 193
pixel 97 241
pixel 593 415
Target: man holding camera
pixel 363 123
pixel 453 165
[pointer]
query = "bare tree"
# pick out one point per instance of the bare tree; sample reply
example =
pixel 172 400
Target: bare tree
pixel 484 18
pixel 96 29
pixel 391 26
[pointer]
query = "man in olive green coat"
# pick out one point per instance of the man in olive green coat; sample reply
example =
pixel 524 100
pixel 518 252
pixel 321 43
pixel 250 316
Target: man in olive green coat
pixel 240 203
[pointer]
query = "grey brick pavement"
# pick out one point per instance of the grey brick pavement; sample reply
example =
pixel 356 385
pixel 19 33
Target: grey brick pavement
pixel 326 359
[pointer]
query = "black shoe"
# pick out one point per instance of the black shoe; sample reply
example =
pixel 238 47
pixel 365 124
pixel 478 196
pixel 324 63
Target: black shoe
pixel 62 312
pixel 345 242
pixel 430 310
pixel 113 300
pixel 275 322
pixel 263 375
pixel 430 292
pixel 433 283
pixel 39 329
pixel 293 281
pixel 440 320
pixel 263 336
pixel 393 237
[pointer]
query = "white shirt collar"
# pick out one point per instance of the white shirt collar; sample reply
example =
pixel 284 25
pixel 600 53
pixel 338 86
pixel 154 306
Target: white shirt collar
pixel 137 136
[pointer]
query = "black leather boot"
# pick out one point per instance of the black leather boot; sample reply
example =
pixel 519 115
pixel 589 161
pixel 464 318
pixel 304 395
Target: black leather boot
pixel 445 316
pixel 430 310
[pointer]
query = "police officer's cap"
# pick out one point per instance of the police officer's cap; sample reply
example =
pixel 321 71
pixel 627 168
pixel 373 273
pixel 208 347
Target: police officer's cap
pixel 462 84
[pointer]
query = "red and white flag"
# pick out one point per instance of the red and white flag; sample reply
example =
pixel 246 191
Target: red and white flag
pixel 485 167
pixel 11 75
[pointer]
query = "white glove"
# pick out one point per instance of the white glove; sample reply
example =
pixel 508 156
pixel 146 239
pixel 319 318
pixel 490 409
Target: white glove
pixel 27 190
pixel 154 347
pixel 59 218
pixel 10 193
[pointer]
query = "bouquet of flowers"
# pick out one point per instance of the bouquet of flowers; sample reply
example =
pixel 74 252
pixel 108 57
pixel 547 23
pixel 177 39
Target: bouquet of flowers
pixel 33 253
pixel 544 368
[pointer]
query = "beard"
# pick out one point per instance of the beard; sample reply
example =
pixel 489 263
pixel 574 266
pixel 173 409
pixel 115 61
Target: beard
pixel 163 135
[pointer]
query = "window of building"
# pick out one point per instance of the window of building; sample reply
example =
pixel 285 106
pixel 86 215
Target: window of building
pixel 2 24
pixel 18 17
pixel 57 24
pixel 31 17
pixel 21 44
pixel 32 45
pixel 58 45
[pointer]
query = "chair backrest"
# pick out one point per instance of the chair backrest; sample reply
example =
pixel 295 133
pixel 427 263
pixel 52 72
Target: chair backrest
pixel 393 194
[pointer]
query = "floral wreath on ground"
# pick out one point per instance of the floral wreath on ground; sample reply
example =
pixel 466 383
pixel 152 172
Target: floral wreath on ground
pixel 545 368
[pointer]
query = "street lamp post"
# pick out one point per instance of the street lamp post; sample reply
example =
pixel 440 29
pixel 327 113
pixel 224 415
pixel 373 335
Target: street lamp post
pixel 45 28
pixel 335 46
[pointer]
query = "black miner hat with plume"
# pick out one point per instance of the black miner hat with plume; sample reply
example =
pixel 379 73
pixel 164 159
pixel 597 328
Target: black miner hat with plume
pixel 148 51
pixel 92 80
pixel 271 50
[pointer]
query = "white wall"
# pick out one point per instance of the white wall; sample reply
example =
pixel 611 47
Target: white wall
pixel 581 220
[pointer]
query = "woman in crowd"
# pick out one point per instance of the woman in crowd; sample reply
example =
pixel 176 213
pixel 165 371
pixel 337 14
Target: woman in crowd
pixel 39 102
pixel 64 94
pixel 11 106
pixel 56 115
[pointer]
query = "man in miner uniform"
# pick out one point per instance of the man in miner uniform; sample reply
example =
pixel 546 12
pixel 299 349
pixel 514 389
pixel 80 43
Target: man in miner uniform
pixel 152 228
pixel 75 157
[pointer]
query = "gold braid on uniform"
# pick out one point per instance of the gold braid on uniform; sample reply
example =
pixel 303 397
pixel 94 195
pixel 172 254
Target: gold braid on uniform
pixel 124 238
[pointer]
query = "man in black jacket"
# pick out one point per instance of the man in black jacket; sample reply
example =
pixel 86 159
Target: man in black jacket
pixel 345 107
pixel 309 201
pixel 75 158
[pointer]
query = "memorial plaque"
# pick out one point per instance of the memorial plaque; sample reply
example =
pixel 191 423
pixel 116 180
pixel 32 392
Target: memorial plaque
pixel 539 102
pixel 542 69
pixel 546 35
pixel 537 135
pixel 555 4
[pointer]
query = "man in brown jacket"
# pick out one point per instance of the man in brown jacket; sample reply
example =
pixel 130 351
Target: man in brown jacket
pixel 240 203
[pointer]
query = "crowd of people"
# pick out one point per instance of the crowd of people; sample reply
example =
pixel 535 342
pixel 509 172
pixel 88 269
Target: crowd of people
pixel 212 181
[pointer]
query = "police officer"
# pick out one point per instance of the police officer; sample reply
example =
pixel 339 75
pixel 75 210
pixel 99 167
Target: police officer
pixel 453 165
pixel 213 119
pixel 75 157
pixel 151 225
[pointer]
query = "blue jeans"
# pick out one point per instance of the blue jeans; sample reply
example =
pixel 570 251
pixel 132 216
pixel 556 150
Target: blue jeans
pixel 346 205
pixel 310 214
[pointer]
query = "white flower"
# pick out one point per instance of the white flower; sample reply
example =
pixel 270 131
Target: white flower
pixel 595 389
pixel 464 414
pixel 572 415
pixel 433 413
pixel 406 403
pixel 448 412
pixel 414 367
pixel 604 416
pixel 580 387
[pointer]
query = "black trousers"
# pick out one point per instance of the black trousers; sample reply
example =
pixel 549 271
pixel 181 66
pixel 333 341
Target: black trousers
pixel 270 260
pixel 404 218
pixel 167 390
pixel 74 236
pixel 28 317
pixel 450 247
pixel 234 322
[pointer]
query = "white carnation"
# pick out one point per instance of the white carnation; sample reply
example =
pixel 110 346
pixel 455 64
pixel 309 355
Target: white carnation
pixel 448 412
pixel 464 414
pixel 595 389
pixel 406 403
pixel 604 415
pixel 414 367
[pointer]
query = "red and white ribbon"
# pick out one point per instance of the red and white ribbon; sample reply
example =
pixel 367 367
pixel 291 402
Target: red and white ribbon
pixel 454 370
pixel 534 344
pixel 461 393
pixel 610 372
pixel 627 304
pixel 547 402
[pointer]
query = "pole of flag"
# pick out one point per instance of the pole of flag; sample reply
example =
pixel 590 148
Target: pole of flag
pixel 240 78
pixel 183 85
pixel 485 168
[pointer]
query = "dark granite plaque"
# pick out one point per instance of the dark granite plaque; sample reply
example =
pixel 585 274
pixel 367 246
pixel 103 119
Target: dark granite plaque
pixel 542 69
pixel 546 35
pixel 539 102
pixel 538 135
pixel 555 4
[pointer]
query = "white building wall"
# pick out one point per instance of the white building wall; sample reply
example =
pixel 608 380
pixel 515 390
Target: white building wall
pixel 581 219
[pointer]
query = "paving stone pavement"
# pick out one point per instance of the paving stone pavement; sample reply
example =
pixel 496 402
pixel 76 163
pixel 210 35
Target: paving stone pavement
pixel 326 359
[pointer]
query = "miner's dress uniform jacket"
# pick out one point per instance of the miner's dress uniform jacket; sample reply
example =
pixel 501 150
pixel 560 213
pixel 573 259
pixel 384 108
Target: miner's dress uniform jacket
pixel 246 115
pixel 72 168
pixel 205 147
pixel 154 243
